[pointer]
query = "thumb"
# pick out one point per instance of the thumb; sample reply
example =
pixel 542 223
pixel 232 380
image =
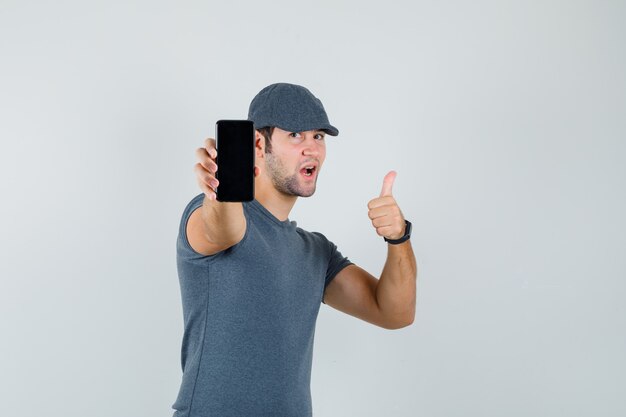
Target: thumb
pixel 388 183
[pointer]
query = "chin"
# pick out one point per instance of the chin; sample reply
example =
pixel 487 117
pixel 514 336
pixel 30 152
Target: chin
pixel 308 194
pixel 293 187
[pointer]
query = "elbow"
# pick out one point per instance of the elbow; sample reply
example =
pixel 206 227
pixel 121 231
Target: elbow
pixel 399 324
pixel 406 323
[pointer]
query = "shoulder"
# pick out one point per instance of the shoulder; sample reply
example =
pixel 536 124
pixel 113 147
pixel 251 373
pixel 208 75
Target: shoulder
pixel 315 237
pixel 195 230
pixel 318 240
pixel 193 204
pixel 189 209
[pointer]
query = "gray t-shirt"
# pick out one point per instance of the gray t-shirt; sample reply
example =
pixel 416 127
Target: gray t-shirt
pixel 249 315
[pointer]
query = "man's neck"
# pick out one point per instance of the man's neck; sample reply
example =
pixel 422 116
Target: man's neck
pixel 278 204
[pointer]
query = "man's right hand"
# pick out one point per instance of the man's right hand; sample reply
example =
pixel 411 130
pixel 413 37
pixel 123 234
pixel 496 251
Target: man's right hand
pixel 215 226
pixel 206 167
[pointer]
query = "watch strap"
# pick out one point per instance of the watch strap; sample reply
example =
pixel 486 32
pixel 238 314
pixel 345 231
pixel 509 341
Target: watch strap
pixel 404 238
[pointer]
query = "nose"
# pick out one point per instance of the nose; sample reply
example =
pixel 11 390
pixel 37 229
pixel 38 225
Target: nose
pixel 312 147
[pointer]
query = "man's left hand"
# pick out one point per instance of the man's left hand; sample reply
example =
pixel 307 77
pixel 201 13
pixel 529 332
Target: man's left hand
pixel 384 211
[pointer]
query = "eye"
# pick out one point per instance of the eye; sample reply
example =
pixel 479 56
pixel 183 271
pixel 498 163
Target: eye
pixel 319 136
pixel 294 134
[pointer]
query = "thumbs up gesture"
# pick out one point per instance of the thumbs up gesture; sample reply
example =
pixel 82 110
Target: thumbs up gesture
pixel 384 211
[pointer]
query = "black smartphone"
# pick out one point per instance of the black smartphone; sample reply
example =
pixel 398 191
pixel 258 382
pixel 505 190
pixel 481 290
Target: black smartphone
pixel 234 141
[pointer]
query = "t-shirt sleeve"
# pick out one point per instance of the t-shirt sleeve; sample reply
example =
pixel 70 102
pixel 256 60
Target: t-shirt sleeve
pixel 336 261
pixel 183 247
pixel 335 264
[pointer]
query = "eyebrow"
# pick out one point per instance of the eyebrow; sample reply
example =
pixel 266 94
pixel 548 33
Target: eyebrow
pixel 316 131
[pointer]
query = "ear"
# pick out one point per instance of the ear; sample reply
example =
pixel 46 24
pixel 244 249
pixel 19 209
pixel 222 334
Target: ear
pixel 259 144
pixel 259 150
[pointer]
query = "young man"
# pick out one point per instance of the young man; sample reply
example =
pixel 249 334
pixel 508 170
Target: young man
pixel 252 281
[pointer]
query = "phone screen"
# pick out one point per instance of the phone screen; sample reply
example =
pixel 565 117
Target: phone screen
pixel 235 160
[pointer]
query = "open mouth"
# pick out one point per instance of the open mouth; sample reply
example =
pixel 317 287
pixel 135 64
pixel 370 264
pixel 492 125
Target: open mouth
pixel 308 171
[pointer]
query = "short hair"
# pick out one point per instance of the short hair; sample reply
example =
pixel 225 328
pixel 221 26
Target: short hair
pixel 267 134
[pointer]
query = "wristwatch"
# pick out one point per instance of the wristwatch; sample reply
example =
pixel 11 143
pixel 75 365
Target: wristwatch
pixel 407 235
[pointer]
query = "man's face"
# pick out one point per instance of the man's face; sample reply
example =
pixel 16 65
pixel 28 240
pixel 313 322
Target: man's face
pixel 291 154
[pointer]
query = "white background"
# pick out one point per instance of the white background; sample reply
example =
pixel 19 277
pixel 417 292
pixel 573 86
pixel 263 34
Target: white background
pixel 504 120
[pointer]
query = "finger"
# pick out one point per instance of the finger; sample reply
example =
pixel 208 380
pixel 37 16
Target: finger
pixel 205 160
pixel 382 222
pixel 390 232
pixel 209 145
pixel 205 178
pixel 382 211
pixel 381 201
pixel 388 183
pixel 384 231
pixel 208 191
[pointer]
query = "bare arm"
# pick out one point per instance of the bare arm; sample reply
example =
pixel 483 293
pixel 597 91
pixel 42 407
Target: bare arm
pixel 387 302
pixel 216 225
pixel 396 290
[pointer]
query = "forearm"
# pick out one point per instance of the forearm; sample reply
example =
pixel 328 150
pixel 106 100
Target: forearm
pixel 396 290
pixel 224 222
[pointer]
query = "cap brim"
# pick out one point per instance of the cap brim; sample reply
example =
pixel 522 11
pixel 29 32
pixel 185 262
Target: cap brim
pixel 329 129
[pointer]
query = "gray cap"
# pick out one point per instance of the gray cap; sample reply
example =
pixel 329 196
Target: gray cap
pixel 290 107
